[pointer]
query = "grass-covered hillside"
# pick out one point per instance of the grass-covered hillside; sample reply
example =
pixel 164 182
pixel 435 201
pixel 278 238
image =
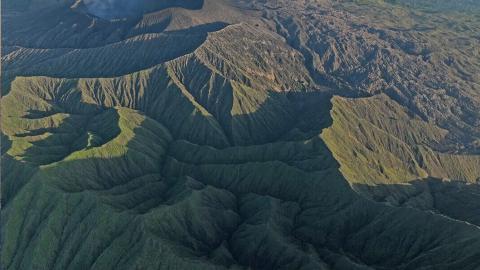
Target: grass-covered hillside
pixel 224 134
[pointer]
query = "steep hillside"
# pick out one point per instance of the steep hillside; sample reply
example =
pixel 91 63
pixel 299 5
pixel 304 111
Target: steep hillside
pixel 239 135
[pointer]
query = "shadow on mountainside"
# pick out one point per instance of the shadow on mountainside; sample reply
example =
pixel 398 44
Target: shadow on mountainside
pixel 119 58
pixel 14 173
pixel 273 202
pixel 283 116
pixel 456 199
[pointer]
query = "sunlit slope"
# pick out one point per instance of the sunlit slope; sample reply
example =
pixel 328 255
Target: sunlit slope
pixel 396 158
pixel 217 138
pixel 379 143
pixel 143 197
pixel 426 61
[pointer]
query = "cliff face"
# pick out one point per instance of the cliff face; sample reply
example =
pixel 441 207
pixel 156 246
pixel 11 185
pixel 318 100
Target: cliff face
pixel 240 135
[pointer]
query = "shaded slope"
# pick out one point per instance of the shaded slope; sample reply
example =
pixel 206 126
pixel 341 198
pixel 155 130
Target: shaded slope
pixel 264 206
pixel 455 199
pixel 118 58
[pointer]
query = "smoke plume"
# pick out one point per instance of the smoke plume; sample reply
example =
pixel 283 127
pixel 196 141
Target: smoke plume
pixel 110 9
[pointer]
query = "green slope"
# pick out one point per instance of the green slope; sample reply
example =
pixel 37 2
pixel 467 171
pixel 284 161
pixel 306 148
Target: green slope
pixel 141 193
pixel 379 143
pixel 234 149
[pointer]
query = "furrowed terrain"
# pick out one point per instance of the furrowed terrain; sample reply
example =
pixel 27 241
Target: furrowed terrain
pixel 222 134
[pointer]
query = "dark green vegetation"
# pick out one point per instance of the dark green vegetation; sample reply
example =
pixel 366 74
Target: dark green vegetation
pixel 240 135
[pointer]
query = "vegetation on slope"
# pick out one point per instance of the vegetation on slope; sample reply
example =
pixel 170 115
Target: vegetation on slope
pixel 125 149
pixel 381 143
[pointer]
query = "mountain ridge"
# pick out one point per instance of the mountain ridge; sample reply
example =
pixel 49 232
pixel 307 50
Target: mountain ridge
pixel 278 135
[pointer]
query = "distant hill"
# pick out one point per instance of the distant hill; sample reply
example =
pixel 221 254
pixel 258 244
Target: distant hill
pixel 440 5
